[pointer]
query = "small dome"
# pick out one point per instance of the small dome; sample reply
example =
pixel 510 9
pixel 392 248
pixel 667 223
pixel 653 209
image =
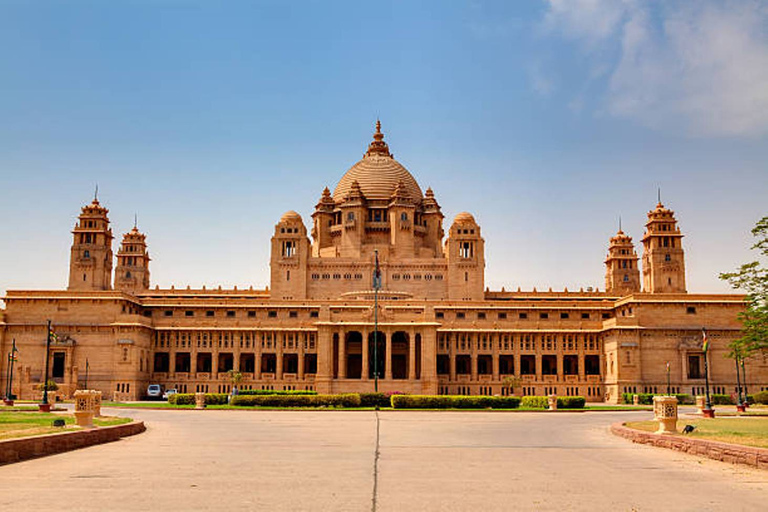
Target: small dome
pixel 378 174
pixel 290 216
pixel 464 218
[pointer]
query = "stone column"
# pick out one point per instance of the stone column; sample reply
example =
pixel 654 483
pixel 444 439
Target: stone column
pixel 279 357
pixel 411 355
pixel 364 372
pixel 301 354
pixel 388 359
pixel 324 358
pixel 257 355
pixel 342 355
pixel 473 366
pixel 452 359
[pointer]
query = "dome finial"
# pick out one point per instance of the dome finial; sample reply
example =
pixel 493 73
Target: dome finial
pixel 378 146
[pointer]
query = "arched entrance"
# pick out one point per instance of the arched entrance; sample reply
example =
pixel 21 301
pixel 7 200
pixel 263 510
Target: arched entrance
pixel 354 353
pixel 399 356
pixel 377 354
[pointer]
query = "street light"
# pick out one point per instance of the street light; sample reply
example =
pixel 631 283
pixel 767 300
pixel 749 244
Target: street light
pixel 376 287
pixel 709 412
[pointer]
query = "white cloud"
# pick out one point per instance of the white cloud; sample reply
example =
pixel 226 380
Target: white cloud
pixel 700 67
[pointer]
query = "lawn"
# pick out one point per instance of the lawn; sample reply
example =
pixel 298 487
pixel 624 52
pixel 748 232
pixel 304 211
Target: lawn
pixel 747 431
pixel 23 424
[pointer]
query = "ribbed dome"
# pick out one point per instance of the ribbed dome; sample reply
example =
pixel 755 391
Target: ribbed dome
pixel 464 218
pixel 378 173
pixel 290 215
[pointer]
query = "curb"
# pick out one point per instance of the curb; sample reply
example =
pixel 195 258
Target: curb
pixel 724 452
pixel 25 448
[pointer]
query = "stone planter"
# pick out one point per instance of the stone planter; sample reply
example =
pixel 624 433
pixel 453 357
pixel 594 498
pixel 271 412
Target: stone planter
pixel 665 412
pixel 44 407
pixel 552 400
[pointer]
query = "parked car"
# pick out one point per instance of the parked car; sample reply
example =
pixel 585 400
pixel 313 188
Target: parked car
pixel 168 393
pixel 154 391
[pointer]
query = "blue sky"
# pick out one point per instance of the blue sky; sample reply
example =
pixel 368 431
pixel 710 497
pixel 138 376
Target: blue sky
pixel 546 119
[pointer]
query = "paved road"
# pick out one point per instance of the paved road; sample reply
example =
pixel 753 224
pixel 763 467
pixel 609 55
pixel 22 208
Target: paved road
pixel 245 460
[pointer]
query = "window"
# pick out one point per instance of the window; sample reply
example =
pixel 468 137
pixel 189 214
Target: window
pixel 289 249
pixel 314 314
pixel 168 312
pixel 293 314
pixel 585 316
pixel 543 316
pixel 564 316
pixel 86 254
pixel 58 365
pixel 189 313
pixel 694 367
pixel 667 257
pixel 251 314
pixel 230 314
pixel 272 314
pixel 350 216
pixel 523 316
pixel 209 313
pixel 460 315
pixel 481 316
pixel 606 316
pixel 502 316
pixel 465 250
pixel 403 216
pixel 439 315
pixel 690 310
pixel 626 278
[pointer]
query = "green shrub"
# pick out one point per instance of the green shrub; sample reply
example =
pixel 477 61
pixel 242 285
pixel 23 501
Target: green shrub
pixel 647 398
pixel 216 398
pixel 454 402
pixel 297 400
pixel 534 402
pixel 571 402
pixel 721 399
pixel 182 399
pixel 375 400
pixel 275 392
pixel 761 397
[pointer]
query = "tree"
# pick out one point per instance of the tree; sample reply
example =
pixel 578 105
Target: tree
pixel 236 378
pixel 510 382
pixel 753 279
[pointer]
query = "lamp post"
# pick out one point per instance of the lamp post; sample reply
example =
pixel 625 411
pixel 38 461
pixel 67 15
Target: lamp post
pixel 86 373
pixel 739 403
pixel 709 412
pixel 45 406
pixel 744 380
pixel 11 359
pixel 669 387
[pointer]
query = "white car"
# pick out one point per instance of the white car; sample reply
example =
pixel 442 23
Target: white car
pixel 169 393
pixel 154 391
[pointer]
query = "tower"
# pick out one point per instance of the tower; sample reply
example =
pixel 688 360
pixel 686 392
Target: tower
pixel 465 251
pixel 322 221
pixel 663 256
pixel 90 263
pixel 622 275
pixel 289 258
pixel 132 271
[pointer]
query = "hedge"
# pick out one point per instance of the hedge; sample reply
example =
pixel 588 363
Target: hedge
pixel 563 402
pixel 761 397
pixel 275 392
pixel 375 400
pixel 647 398
pixel 189 399
pixel 454 402
pixel 295 400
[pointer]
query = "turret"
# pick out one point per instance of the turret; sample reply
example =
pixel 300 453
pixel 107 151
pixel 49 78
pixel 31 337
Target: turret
pixel 288 262
pixel 132 271
pixel 322 221
pixel 663 256
pixel 90 263
pixel 465 250
pixel 622 275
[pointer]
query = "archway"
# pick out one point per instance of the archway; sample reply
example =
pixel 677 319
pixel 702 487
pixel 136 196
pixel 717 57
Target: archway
pixel 377 354
pixel 354 352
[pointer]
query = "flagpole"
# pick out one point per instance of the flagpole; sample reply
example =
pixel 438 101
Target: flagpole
pixel 47 361
pixel 708 411
pixel 376 284
pixel 669 389
pixel 86 373
pixel 7 371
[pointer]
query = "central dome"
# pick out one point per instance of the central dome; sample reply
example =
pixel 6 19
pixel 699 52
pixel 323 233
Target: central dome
pixel 378 174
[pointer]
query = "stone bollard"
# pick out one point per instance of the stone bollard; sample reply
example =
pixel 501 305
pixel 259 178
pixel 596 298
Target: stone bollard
pixel 199 400
pixel 84 408
pixel 701 403
pixel 552 399
pixel 635 400
pixel 665 412
pixel 96 403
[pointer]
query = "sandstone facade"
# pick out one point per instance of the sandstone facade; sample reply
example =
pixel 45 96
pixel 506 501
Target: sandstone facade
pixel 439 329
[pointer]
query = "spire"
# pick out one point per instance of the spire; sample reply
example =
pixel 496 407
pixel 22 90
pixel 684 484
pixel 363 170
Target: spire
pixel 96 194
pixel 620 231
pixel 378 146
pixel 135 221
pixel 659 199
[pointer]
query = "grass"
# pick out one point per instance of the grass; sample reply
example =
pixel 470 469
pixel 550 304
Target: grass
pixel 23 424
pixel 747 431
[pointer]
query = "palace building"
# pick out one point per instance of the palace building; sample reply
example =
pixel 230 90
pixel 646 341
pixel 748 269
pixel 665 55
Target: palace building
pixel 432 328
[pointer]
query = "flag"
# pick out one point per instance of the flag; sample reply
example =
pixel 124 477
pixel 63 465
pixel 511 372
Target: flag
pixel 705 345
pixel 53 335
pixel 377 274
pixel 667 366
